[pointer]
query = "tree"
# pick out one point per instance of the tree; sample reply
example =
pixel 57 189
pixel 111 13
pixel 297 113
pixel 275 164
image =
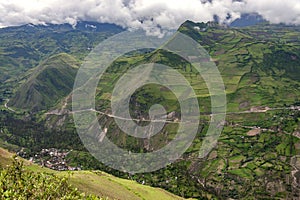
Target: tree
pixel 18 183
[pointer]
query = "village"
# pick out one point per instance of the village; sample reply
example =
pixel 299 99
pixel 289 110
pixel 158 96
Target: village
pixel 52 158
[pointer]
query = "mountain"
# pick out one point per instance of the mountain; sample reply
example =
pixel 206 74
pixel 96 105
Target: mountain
pixel 257 154
pixel 249 19
pixel 259 144
pixel 51 81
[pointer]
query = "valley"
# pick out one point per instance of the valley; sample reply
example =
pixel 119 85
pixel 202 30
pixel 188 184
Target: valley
pixel 256 155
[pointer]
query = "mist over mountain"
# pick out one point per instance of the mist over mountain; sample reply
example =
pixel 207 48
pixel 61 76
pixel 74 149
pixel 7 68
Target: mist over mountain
pixel 154 16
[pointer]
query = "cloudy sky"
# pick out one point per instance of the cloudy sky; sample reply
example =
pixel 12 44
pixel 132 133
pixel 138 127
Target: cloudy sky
pixel 146 14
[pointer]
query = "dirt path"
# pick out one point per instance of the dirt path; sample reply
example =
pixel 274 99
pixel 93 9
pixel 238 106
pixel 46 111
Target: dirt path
pixel 295 163
pixel 265 110
pixel 126 119
pixel 8 108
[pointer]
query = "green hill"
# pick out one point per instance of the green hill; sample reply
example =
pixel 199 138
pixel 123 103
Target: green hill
pixel 49 83
pixel 257 71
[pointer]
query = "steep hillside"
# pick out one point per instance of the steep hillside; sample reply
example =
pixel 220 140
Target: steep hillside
pixel 50 82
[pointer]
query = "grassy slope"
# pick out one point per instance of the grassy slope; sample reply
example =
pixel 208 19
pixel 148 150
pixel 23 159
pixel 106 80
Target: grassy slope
pixel 100 183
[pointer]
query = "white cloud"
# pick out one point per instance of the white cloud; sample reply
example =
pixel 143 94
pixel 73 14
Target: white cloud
pixel 146 14
pixel 276 11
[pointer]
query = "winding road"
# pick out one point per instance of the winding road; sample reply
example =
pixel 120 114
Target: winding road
pixel 167 121
pixel 126 119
